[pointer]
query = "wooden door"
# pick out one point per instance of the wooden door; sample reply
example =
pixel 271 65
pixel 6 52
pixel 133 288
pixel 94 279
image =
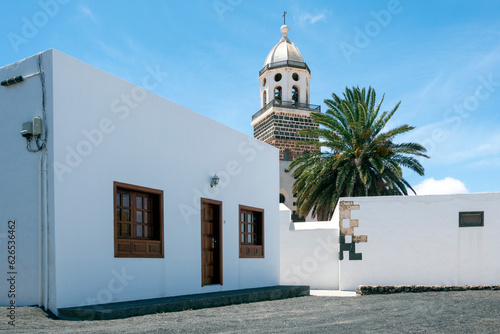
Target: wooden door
pixel 211 242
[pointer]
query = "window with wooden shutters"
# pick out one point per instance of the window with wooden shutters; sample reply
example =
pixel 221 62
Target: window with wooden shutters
pixel 138 221
pixel 251 221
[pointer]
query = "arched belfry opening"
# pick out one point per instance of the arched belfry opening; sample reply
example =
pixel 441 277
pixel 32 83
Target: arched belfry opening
pixel 295 96
pixel 278 94
pixel 264 98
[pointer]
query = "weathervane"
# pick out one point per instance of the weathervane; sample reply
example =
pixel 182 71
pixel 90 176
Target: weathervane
pixel 284 18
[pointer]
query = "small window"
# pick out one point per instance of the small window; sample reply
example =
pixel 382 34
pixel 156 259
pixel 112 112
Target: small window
pixel 295 77
pixel 264 81
pixel 296 218
pixel 282 198
pixel 251 221
pixel 471 219
pixel 138 221
pixel 277 77
pixel 286 155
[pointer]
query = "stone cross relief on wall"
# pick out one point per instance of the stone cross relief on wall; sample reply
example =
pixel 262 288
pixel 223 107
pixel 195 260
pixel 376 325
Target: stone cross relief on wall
pixel 344 215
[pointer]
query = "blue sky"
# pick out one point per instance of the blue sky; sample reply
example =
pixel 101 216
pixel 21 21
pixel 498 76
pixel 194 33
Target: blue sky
pixel 440 58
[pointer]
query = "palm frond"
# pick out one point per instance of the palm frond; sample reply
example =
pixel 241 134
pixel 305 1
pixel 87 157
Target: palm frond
pixel 358 157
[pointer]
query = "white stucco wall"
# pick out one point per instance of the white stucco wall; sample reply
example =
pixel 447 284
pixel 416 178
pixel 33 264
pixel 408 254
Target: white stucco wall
pixel 417 240
pixel 159 144
pixel 106 130
pixel 309 252
pixel 20 180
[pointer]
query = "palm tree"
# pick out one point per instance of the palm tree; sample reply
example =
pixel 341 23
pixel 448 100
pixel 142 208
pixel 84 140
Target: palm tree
pixel 354 156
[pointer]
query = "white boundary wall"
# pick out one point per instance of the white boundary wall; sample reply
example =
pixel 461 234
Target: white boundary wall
pixel 417 240
pixel 309 252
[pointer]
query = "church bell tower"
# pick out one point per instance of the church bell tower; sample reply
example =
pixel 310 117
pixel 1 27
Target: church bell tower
pixel 285 109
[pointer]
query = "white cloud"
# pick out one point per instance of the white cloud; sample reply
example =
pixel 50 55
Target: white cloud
pixel 446 186
pixel 112 52
pixel 479 150
pixel 487 162
pixel 86 12
pixel 311 19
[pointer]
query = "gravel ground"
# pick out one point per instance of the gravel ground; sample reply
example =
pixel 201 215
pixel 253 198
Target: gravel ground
pixel 434 312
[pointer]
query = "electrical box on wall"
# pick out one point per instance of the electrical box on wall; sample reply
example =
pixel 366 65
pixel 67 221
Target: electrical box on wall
pixel 37 126
pixel 27 130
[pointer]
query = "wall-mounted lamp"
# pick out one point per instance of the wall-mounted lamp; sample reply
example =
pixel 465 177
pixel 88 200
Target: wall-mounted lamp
pixel 16 80
pixel 12 81
pixel 214 181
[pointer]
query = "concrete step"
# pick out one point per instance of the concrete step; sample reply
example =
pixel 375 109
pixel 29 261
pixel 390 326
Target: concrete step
pixel 180 303
pixel 332 293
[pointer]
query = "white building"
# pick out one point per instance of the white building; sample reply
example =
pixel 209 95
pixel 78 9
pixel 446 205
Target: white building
pixel 110 195
pixel 119 205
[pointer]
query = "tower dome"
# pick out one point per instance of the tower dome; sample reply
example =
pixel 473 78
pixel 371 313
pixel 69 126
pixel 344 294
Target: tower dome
pixel 284 54
pixel 284 50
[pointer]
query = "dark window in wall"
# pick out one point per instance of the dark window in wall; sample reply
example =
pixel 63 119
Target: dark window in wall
pixel 251 232
pixel 471 219
pixel 138 222
pixel 282 198
pixel 286 155
pixel 296 218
